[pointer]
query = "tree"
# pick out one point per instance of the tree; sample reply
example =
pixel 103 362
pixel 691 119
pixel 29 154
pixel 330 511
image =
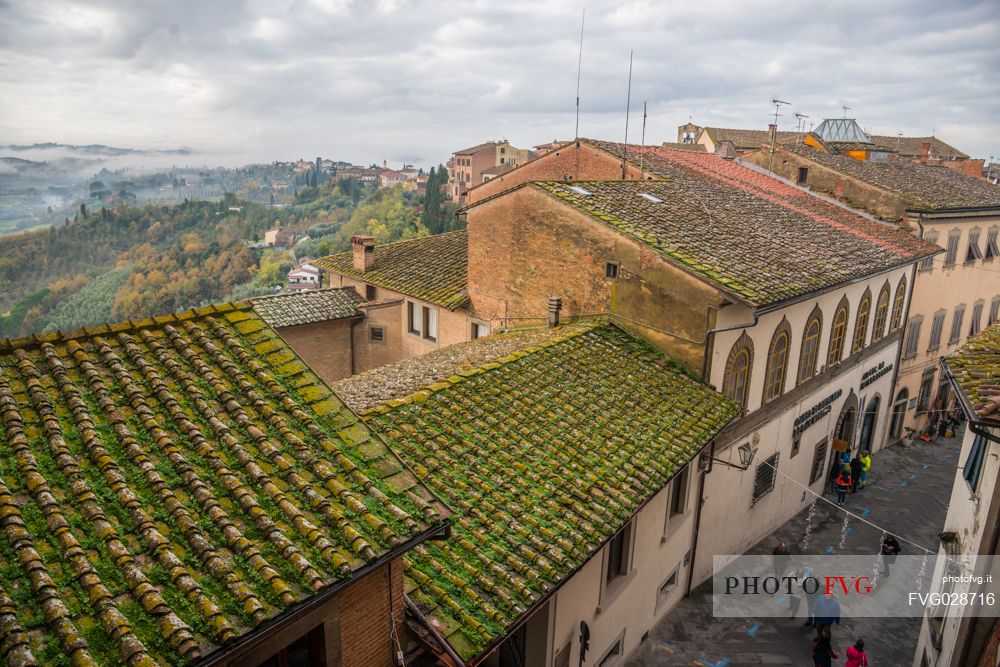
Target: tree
pixel 83 210
pixel 97 186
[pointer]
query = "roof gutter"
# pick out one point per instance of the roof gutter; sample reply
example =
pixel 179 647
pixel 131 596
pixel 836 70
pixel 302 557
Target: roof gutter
pixel 221 655
pixel 957 211
pixel 976 423
pixel 415 612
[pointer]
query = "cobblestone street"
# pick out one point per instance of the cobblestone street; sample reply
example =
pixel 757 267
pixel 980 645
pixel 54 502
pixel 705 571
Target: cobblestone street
pixel 908 492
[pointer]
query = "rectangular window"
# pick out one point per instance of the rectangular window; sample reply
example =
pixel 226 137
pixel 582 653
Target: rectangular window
pixel 926 385
pixel 977 318
pixel 618 554
pixel 803 175
pixel 476 331
pixel 371 292
pixel 376 334
pixel 430 323
pixel 668 586
pixel 678 494
pixel 952 255
pixel 928 263
pixel 796 444
pixel 991 244
pixel 611 270
pixel 937 328
pixel 973 252
pixel 913 336
pixel 413 320
pixel 614 655
pixel 956 324
pixel 819 457
pixel 974 463
pixel 994 311
pixel 763 482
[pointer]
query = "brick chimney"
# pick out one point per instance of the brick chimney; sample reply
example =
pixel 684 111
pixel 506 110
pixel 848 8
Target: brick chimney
pixel 363 248
pixel 925 150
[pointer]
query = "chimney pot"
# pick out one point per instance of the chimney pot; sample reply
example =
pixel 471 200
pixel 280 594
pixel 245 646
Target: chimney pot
pixel 363 249
pixel 772 133
pixel 925 149
pixel 555 305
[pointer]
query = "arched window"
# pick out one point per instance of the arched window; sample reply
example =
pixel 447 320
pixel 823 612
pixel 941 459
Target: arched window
pixel 838 332
pixel 777 362
pixel 861 323
pixel 736 384
pixel 809 352
pixel 897 305
pixel 881 313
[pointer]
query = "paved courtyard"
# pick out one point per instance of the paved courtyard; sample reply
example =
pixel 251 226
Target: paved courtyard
pixel 908 492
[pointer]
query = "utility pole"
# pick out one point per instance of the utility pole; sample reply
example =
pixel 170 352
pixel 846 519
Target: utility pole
pixel 774 129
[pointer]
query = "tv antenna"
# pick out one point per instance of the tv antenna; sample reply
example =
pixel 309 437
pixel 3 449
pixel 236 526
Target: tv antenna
pixel 774 137
pixel 579 67
pixel 800 125
pixel 846 109
pixel 642 139
pixel 628 104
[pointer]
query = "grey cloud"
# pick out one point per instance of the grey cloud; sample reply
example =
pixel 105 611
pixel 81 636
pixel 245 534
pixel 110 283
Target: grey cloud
pixel 366 81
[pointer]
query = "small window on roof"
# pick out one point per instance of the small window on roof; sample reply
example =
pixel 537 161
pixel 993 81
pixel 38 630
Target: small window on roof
pixel 611 270
pixel 649 197
pixel 580 191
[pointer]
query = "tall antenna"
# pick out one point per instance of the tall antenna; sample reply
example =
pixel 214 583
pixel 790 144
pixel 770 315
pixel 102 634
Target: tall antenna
pixel 774 135
pixel 642 139
pixel 628 104
pixel 800 126
pixel 846 109
pixel 579 65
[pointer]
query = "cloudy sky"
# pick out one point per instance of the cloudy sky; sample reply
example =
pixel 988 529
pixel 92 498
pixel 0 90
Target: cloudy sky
pixel 404 80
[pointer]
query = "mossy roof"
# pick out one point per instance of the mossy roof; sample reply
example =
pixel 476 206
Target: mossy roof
pixel 750 235
pixel 921 186
pixel 976 369
pixel 430 268
pixel 168 486
pixel 308 306
pixel 544 455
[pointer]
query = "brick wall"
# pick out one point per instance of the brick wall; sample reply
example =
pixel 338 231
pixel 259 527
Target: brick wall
pixel 583 163
pixel 972 168
pixel 527 245
pixel 365 638
pixel 325 346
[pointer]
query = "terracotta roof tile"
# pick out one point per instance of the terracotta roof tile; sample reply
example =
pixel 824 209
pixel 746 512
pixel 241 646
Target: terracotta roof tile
pixel 913 146
pixel 976 369
pixel 746 139
pixel 922 186
pixel 432 268
pixel 170 485
pixel 755 237
pixel 544 455
pixel 308 306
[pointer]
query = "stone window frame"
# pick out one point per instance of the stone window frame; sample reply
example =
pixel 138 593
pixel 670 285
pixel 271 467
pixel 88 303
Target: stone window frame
pixel 809 355
pixel 898 300
pixel 912 339
pixel 991 248
pixel 838 332
pixel 881 313
pixel 956 324
pixel 743 346
pixel 975 323
pixel 774 379
pixel 765 478
pixel 937 329
pixel 951 255
pixel 972 250
pixel 927 263
pixel 372 338
pixel 860 337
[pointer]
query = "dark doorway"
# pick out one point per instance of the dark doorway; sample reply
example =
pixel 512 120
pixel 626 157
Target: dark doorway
pixel 868 423
pixel 512 651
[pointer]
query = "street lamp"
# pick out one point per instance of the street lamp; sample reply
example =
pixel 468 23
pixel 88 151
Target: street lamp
pixel 746 451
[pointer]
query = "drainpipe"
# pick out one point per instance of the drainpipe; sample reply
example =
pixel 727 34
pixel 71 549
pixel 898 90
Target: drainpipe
pixel 354 323
pixel 697 522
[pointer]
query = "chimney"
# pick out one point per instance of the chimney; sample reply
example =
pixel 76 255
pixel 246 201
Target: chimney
pixel 925 149
pixel 363 248
pixel 555 305
pixel 772 133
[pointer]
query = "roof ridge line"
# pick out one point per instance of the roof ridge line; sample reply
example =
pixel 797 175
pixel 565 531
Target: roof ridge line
pixel 297 293
pixel 425 392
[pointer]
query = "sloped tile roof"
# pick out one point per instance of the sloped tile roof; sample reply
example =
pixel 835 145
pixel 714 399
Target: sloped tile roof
pixel 544 455
pixel 912 146
pixel 755 237
pixel 976 369
pixel 168 486
pixel 746 139
pixel 697 148
pixel 431 268
pixel 308 306
pixel 922 186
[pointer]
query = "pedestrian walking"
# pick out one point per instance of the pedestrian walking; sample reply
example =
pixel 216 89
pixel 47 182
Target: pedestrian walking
pixel 866 465
pixel 890 549
pixel 835 468
pixel 856 656
pixel 823 653
pixel 826 612
pixel 856 467
pixel 780 554
pixel 843 485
